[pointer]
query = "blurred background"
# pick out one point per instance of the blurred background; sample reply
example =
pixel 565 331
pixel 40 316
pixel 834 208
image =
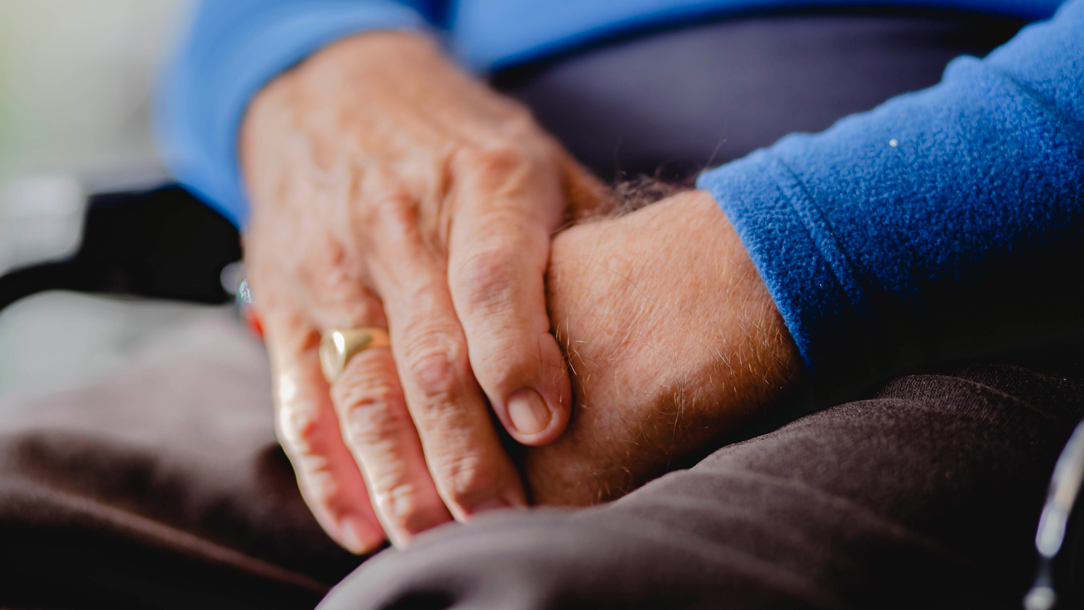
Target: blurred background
pixel 76 83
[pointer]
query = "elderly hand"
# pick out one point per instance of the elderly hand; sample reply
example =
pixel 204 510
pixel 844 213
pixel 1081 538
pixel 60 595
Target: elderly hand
pixel 672 338
pixel 391 190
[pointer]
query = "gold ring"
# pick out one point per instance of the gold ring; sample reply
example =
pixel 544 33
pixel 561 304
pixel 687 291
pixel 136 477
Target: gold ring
pixel 339 345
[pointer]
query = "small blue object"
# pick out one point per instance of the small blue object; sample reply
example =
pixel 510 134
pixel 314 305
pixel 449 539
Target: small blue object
pixel 243 294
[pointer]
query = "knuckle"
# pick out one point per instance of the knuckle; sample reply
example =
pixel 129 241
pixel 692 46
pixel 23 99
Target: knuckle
pixel 434 365
pixel 319 486
pixel 403 507
pixel 488 278
pixel 298 422
pixel 395 216
pixel 467 481
pixel 324 250
pixel 369 377
pixel 496 159
pixel 368 416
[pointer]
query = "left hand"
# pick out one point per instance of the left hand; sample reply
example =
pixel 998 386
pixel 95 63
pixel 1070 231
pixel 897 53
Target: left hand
pixel 672 340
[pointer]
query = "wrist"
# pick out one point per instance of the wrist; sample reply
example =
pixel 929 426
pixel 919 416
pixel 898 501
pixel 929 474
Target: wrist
pixel 672 340
pixel 714 319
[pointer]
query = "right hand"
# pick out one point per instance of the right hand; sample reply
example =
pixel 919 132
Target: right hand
pixel 391 190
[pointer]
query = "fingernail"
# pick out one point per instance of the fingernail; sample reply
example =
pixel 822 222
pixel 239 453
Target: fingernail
pixel 528 412
pixel 350 535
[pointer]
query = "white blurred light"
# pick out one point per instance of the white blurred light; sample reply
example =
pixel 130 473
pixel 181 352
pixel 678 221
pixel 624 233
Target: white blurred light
pixel 76 78
pixel 41 218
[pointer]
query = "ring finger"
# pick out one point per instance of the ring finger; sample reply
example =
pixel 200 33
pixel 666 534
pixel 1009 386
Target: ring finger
pixel 378 430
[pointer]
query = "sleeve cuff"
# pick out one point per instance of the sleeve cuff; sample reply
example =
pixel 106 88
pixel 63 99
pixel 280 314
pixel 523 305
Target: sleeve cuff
pixel 804 269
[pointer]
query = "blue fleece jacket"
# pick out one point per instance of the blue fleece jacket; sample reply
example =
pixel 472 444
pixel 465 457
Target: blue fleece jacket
pixel 950 213
pixel 877 238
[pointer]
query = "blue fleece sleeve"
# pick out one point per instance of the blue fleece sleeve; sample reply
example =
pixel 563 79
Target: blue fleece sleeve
pixel 936 221
pixel 232 49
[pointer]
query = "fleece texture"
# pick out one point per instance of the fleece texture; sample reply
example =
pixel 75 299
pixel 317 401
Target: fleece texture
pixel 937 222
pixel 145 490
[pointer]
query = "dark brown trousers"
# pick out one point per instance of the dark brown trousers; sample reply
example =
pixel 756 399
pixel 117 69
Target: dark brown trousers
pixel 164 487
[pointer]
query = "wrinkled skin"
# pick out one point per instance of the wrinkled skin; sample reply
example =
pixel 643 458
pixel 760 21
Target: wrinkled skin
pixel 391 190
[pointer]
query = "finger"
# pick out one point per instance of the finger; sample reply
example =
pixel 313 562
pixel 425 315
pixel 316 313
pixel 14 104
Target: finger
pixel 498 251
pixel 462 450
pixel 308 430
pixel 378 430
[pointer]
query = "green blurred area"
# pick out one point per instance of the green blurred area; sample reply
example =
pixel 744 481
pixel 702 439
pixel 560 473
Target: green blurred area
pixel 75 84
pixel 76 78
pixel 6 134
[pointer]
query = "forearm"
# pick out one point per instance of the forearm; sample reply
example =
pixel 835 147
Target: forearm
pixel 910 232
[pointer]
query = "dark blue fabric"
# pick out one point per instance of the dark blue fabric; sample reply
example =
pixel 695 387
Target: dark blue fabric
pixel 934 218
pixel 755 80
pixel 490 34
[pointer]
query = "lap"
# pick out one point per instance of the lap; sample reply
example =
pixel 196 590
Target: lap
pixel 163 486
pixel 926 494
